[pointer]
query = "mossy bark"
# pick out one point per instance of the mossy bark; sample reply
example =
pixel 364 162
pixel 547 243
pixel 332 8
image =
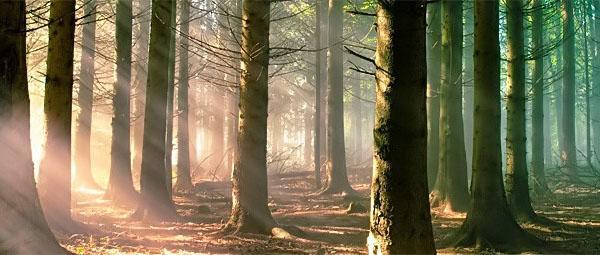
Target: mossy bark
pixel 24 228
pixel 400 219
pixel 489 222
pixel 55 167
pixel 451 189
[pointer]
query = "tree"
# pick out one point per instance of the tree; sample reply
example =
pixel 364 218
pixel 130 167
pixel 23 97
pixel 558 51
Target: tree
pixel 450 189
pixel 434 42
pixel 155 202
pixel 24 229
pixel 337 177
pixel 55 167
pixel 400 219
pixel 171 98
pixel 540 186
pixel 141 76
pixel 568 149
pixel 489 222
pixel 517 183
pixel 83 172
pixel 250 210
pixel 120 185
pixel 184 180
pixel 319 82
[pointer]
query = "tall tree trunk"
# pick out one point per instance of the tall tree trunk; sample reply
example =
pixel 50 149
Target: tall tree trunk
pixel 540 186
pixel 55 167
pixel 155 203
pixel 517 185
pixel 184 180
pixel 451 189
pixel 250 211
pixel 400 219
pixel 356 122
pixel 568 149
pixel 489 223
pixel 24 229
pixel 120 184
pixel 468 68
pixel 141 76
pixel 434 60
pixel 319 64
pixel 596 80
pixel 171 99
pixel 83 170
pixel 337 177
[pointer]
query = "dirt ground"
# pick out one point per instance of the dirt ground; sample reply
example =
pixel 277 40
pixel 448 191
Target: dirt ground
pixel 327 225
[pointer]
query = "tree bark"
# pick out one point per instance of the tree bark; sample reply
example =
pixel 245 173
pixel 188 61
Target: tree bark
pixel 596 81
pixel 451 189
pixel 55 167
pixel 120 185
pixel 434 57
pixel 319 59
pixel 517 185
pixel 83 170
pixel 250 212
pixel 337 177
pixel 568 149
pixel 540 186
pixel 489 223
pixel 25 231
pixel 155 203
pixel 400 218
pixel 171 98
pixel 184 180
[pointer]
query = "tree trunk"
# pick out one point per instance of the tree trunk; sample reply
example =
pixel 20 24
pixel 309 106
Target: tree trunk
pixel 596 81
pixel 25 231
pixel 337 178
pixel 250 212
pixel 319 59
pixel 55 167
pixel 83 171
pixel 517 186
pixel 356 122
pixel 141 76
pixel 434 57
pixel 184 180
pixel 540 186
pixel 489 223
pixel 400 219
pixel 451 188
pixel 568 149
pixel 468 67
pixel 171 99
pixel 120 185
pixel 155 203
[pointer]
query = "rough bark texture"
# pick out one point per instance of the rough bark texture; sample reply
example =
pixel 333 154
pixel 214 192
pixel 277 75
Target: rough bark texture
pixel 517 185
pixel 184 179
pixel 451 189
pixel 400 219
pixel 141 76
pixel 55 168
pixel 540 186
pixel 120 184
pixel 568 149
pixel 24 229
pixel 434 56
pixel 155 203
pixel 85 99
pixel 337 177
pixel 250 212
pixel 489 223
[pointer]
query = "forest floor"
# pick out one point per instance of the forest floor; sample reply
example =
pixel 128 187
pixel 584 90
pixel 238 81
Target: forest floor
pixel 327 225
